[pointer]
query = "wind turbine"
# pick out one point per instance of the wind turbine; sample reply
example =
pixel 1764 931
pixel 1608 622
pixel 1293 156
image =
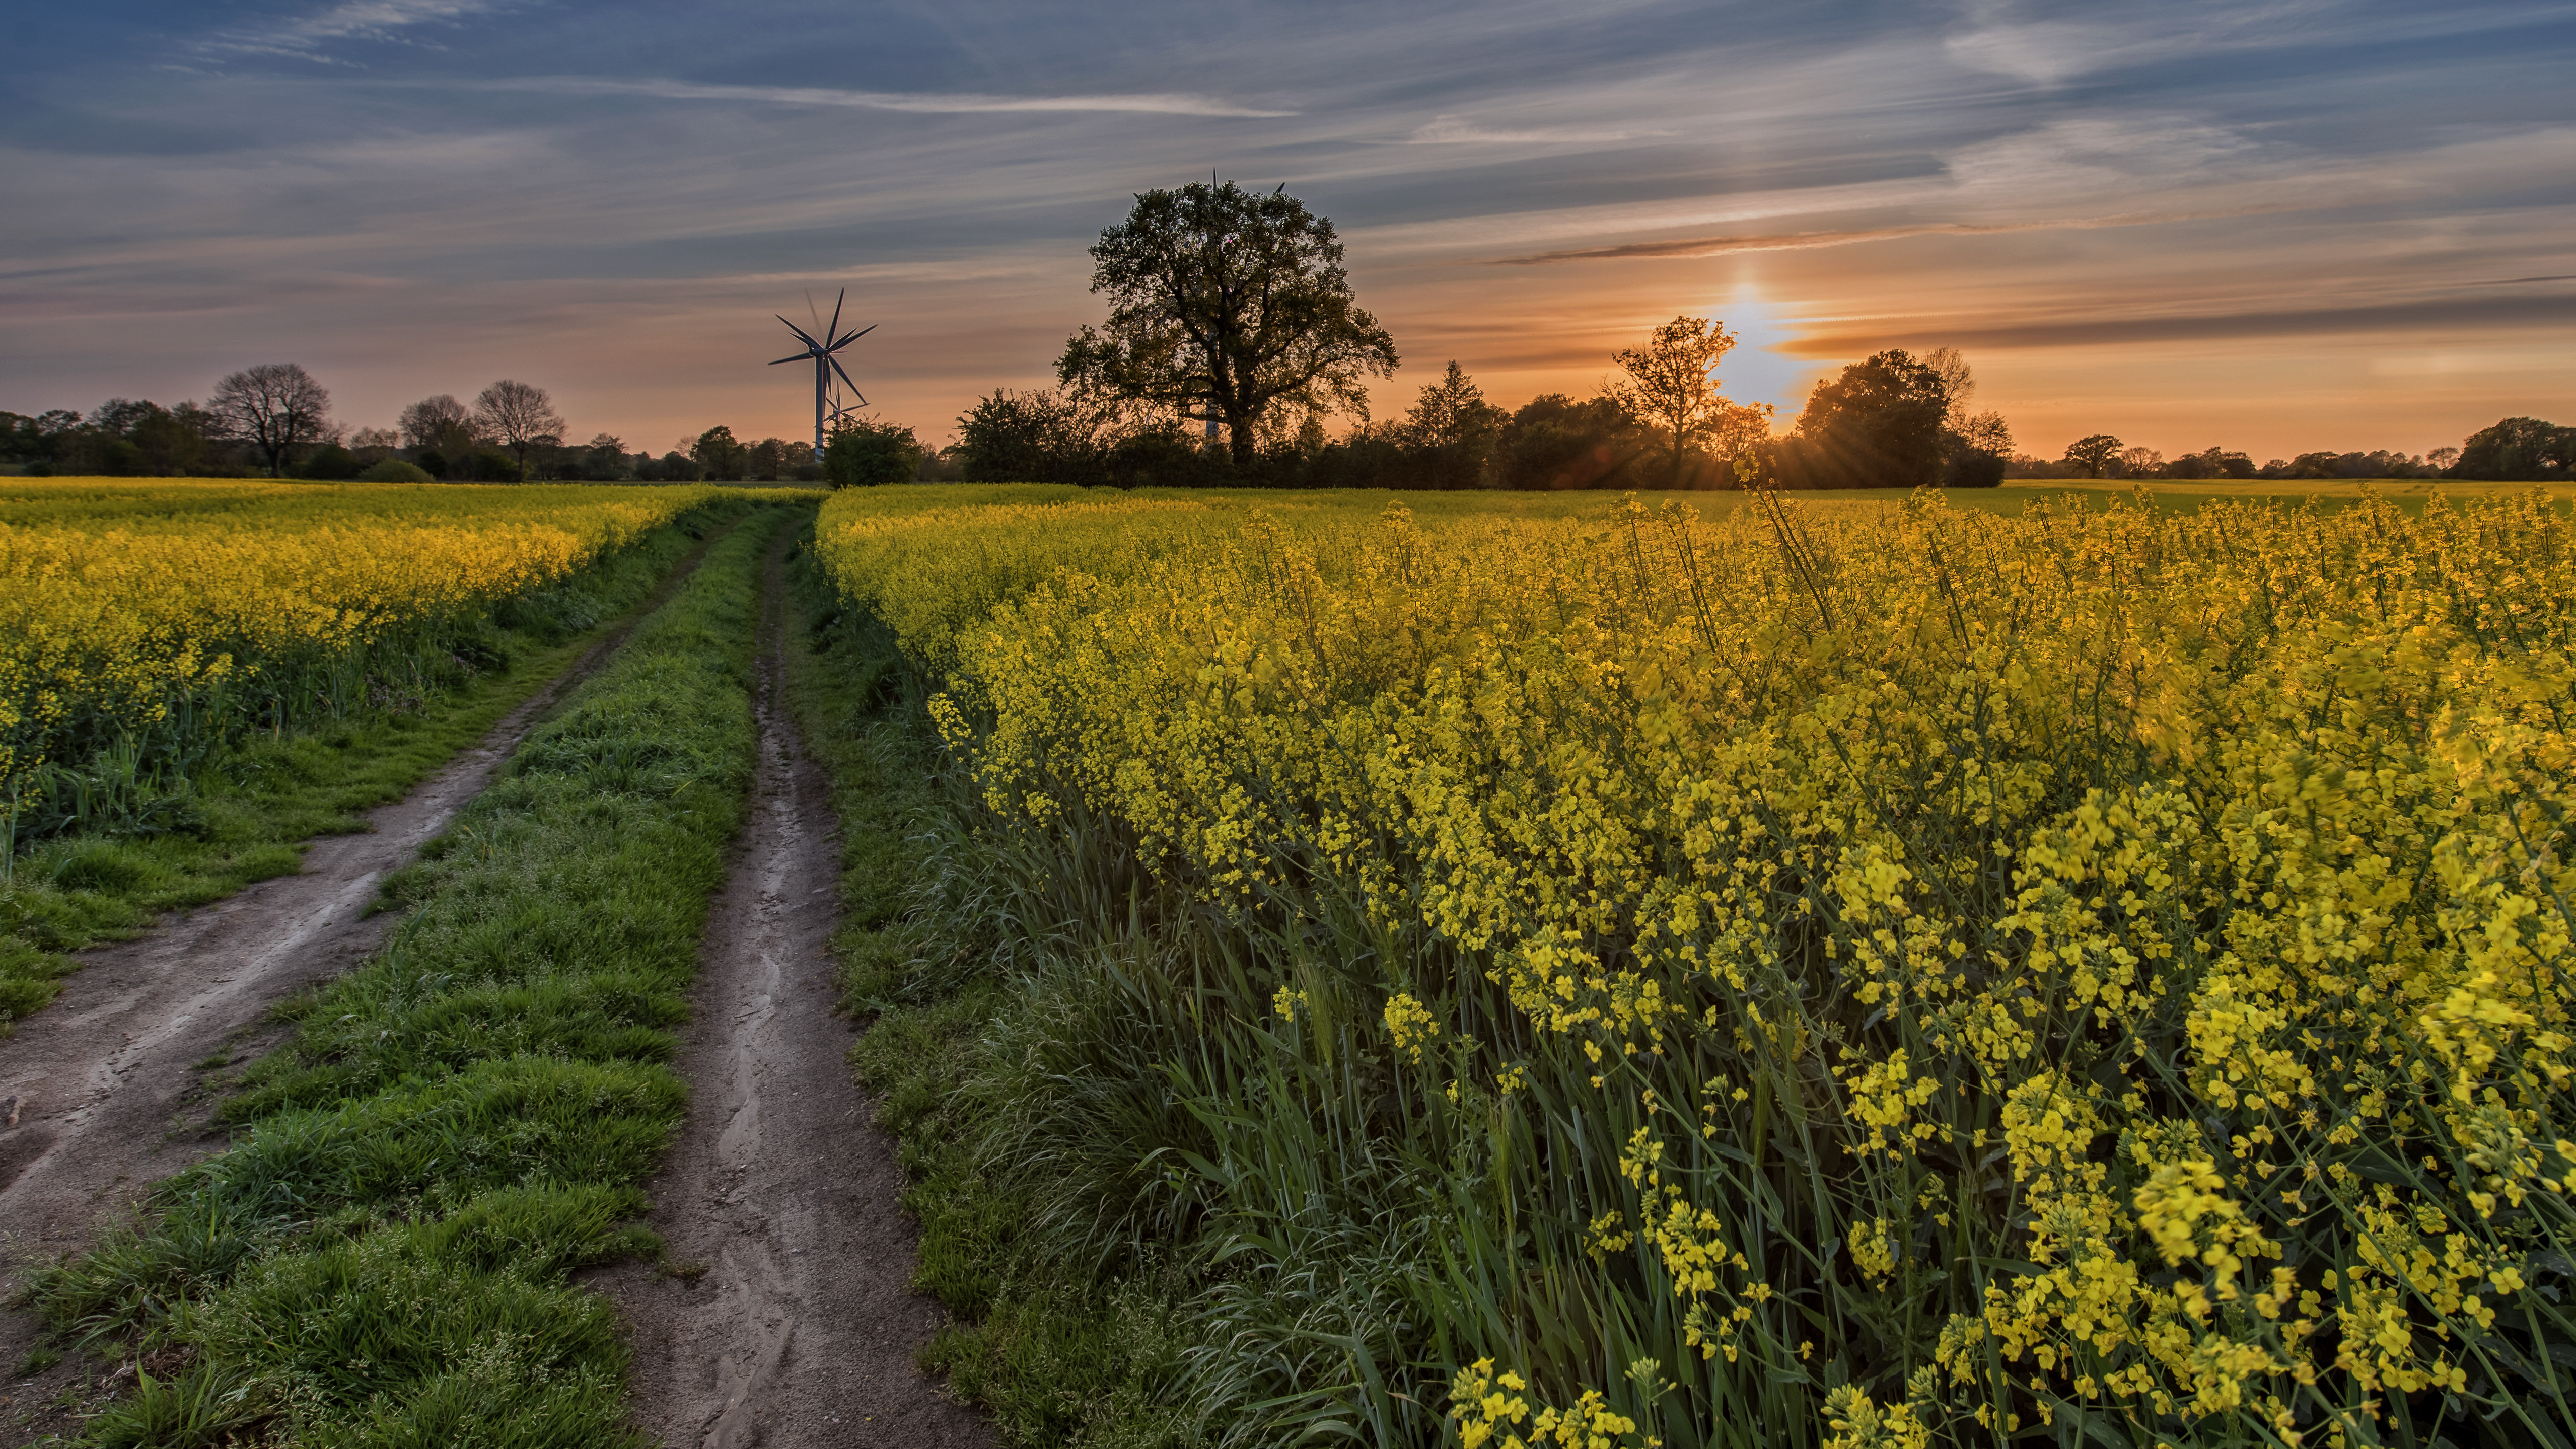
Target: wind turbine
pixel 825 364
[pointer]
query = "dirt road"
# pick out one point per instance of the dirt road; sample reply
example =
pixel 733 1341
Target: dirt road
pixel 99 1093
pixel 800 1329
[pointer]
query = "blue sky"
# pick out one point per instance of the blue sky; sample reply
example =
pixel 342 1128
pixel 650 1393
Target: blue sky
pixel 2266 226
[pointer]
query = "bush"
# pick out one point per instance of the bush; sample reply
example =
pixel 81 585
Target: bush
pixel 331 463
pixel 865 455
pixel 395 470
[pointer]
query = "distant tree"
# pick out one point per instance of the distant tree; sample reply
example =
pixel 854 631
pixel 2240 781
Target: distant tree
pixel 518 416
pixel 869 454
pixel 2518 449
pixel 604 460
pixel 275 407
pixel 716 452
pixel 2444 459
pixel 2093 456
pixel 1555 442
pixel 1879 425
pixel 1454 428
pixel 1671 390
pixel 175 441
pixel 1034 436
pixel 2211 463
pixel 440 429
pixel 766 459
pixel 1958 383
pixel 2140 463
pixel 1225 304
pixel 333 463
pixel 374 443
pixel 800 463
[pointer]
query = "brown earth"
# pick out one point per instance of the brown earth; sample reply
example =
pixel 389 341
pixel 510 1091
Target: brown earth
pixel 101 1093
pixel 786 1317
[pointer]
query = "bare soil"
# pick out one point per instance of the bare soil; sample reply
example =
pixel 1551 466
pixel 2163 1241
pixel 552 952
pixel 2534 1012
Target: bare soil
pixel 103 1094
pixel 784 1315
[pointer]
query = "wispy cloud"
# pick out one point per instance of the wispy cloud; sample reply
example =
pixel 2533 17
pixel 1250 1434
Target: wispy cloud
pixel 2437 315
pixel 1168 103
pixel 376 20
pixel 1452 130
pixel 1719 246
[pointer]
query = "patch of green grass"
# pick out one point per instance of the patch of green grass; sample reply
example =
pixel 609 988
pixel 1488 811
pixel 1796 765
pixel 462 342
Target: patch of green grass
pixel 1059 1353
pixel 253 809
pixel 383 1256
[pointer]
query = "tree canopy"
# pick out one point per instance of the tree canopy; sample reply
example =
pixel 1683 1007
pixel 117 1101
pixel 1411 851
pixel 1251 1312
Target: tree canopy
pixel 518 415
pixel 1226 304
pixel 274 407
pixel 1671 388
pixel 1879 425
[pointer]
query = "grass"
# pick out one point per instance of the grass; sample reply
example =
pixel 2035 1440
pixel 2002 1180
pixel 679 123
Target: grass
pixel 935 958
pixel 383 1255
pixel 248 815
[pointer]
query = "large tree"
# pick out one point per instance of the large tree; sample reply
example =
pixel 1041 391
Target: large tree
pixel 521 416
pixel 2520 449
pixel 2093 456
pixel 275 407
pixel 1879 425
pixel 1225 304
pixel 1671 388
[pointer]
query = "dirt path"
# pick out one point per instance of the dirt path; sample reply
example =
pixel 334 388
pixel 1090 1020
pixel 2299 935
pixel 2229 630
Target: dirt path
pixel 100 1095
pixel 802 1326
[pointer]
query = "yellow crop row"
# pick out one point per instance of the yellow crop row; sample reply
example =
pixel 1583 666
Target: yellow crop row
pixel 121 599
pixel 2088 966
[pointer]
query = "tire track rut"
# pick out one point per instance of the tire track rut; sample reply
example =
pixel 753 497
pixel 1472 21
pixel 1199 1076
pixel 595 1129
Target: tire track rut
pixel 100 1096
pixel 802 1326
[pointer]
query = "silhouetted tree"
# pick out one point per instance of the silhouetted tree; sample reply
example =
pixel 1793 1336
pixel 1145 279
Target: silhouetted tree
pixel 2093 456
pixel 2519 449
pixel 1671 389
pixel 716 451
pixel 1879 425
pixel 1225 304
pixel 1032 436
pixel 1556 442
pixel 1454 430
pixel 518 416
pixel 867 455
pixel 275 407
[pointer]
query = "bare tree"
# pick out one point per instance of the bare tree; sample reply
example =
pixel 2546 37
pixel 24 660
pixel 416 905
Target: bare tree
pixel 274 407
pixel 439 422
pixel 520 415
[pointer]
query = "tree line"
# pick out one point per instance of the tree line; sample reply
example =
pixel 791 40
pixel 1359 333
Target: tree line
pixel 1230 311
pixel 274 420
pixel 2514 449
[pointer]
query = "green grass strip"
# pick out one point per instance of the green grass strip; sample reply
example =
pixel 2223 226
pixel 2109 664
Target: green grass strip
pixel 383 1256
pixel 257 806
pixel 1057 1356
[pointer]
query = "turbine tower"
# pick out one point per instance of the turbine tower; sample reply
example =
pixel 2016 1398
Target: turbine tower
pixel 825 364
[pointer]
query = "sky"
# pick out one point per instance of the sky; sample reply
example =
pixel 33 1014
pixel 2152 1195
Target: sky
pixel 2275 227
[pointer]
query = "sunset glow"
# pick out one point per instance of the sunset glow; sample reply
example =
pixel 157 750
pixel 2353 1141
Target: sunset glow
pixel 2273 228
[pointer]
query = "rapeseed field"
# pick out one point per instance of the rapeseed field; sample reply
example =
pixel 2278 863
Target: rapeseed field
pixel 1858 975
pixel 150 619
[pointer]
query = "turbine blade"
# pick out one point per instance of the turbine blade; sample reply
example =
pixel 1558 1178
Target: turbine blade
pixel 853 337
pixel 801 334
pixel 799 357
pixel 836 312
pixel 845 377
